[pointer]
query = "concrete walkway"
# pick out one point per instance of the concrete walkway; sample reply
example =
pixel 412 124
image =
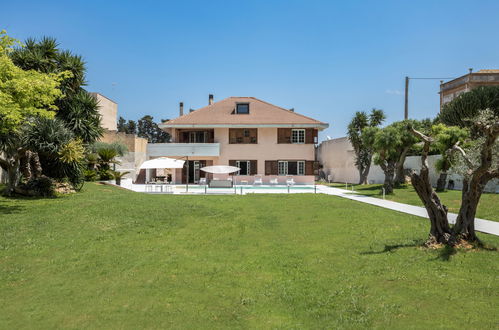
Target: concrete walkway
pixel 484 226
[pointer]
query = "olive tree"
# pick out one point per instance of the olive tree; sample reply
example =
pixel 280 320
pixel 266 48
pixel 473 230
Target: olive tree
pixel 476 158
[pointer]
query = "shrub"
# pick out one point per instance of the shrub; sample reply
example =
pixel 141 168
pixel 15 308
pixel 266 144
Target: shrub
pixel 90 175
pixel 41 186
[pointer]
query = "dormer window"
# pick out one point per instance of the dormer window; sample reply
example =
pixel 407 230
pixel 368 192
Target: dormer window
pixel 242 108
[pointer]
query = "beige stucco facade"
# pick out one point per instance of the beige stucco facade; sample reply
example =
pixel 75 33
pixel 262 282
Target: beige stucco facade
pixel 108 110
pixel 266 149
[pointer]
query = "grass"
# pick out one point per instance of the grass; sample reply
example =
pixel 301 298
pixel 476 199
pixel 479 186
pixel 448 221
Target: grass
pixel 110 258
pixel 488 208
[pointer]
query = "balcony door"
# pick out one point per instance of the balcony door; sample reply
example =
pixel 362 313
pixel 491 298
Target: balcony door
pixel 198 137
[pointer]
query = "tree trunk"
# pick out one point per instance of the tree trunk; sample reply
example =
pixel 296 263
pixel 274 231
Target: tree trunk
pixel 440 231
pixel 465 222
pixel 363 174
pixel 442 181
pixel 12 177
pixel 437 212
pixel 400 175
pixel 389 170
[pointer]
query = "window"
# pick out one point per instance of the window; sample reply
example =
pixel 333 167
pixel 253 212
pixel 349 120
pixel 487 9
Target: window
pixel 242 108
pixel 298 136
pixel 282 168
pixel 301 168
pixel 285 167
pixel 197 137
pixel 245 167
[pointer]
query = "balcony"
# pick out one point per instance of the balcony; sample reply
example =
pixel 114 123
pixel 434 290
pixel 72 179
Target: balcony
pixel 183 149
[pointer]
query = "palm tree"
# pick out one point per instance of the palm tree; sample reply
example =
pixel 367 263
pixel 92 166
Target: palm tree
pixel 77 109
pixel 363 152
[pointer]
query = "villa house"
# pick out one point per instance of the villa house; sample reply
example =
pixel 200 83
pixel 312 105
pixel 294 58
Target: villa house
pixel 256 136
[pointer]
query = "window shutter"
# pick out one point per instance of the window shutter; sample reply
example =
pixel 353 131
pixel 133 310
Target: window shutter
pixel 211 136
pixel 232 162
pixel 284 135
pixel 253 167
pixel 310 167
pixel 271 167
pixel 310 135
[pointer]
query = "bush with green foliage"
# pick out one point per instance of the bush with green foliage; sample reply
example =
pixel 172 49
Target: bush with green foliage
pixel 41 186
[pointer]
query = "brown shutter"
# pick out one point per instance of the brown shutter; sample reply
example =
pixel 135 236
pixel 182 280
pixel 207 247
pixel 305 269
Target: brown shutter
pixel 211 136
pixel 253 167
pixel 232 162
pixel 271 167
pixel 310 135
pixel 284 135
pixel 310 167
pixel 232 135
pixel 275 167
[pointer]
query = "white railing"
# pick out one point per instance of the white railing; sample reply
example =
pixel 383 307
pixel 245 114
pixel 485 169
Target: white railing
pixel 183 149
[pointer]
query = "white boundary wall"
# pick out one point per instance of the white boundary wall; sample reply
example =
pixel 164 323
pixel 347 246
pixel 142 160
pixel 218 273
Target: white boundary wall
pixel 338 160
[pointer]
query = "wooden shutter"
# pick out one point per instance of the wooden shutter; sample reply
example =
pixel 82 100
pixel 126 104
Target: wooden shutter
pixel 211 136
pixel 271 167
pixel 232 162
pixel 284 135
pixel 310 135
pixel 310 167
pixel 253 167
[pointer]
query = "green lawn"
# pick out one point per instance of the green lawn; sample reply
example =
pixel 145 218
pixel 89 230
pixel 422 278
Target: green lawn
pixel 487 209
pixel 110 258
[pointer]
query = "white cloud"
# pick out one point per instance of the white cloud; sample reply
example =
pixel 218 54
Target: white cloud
pixel 393 92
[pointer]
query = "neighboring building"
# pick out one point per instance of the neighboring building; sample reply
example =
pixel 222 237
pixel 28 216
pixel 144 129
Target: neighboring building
pixel 108 110
pixel 260 138
pixel 455 87
pixel 137 147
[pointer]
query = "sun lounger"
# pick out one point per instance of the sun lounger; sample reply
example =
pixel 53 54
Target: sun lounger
pixel 257 180
pixel 290 181
pixel 274 181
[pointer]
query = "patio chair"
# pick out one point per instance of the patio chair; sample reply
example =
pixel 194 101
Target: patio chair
pixel 290 182
pixel 257 180
pixel 274 181
pixel 202 181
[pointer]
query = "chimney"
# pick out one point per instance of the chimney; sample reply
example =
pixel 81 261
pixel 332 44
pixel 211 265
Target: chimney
pixel 471 70
pixel 181 110
pixel 191 110
pixel 210 99
pixel 292 109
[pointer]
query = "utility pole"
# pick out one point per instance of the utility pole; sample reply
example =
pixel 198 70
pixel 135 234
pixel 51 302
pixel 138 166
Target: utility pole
pixel 406 105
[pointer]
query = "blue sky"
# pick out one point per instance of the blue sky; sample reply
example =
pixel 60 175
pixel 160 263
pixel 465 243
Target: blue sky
pixel 326 59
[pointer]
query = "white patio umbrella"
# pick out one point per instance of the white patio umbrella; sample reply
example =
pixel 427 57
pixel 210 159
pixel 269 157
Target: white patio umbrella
pixel 220 169
pixel 162 162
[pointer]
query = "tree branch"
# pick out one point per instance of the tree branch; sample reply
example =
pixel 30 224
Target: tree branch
pixel 457 148
pixel 421 136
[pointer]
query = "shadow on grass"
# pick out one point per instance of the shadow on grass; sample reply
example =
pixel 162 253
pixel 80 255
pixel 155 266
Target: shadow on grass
pixel 10 209
pixel 391 248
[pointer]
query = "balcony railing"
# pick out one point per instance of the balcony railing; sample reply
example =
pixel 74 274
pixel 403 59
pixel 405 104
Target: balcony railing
pixel 183 149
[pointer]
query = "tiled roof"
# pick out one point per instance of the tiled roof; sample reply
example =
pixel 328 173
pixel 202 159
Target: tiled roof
pixel 488 71
pixel 260 113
